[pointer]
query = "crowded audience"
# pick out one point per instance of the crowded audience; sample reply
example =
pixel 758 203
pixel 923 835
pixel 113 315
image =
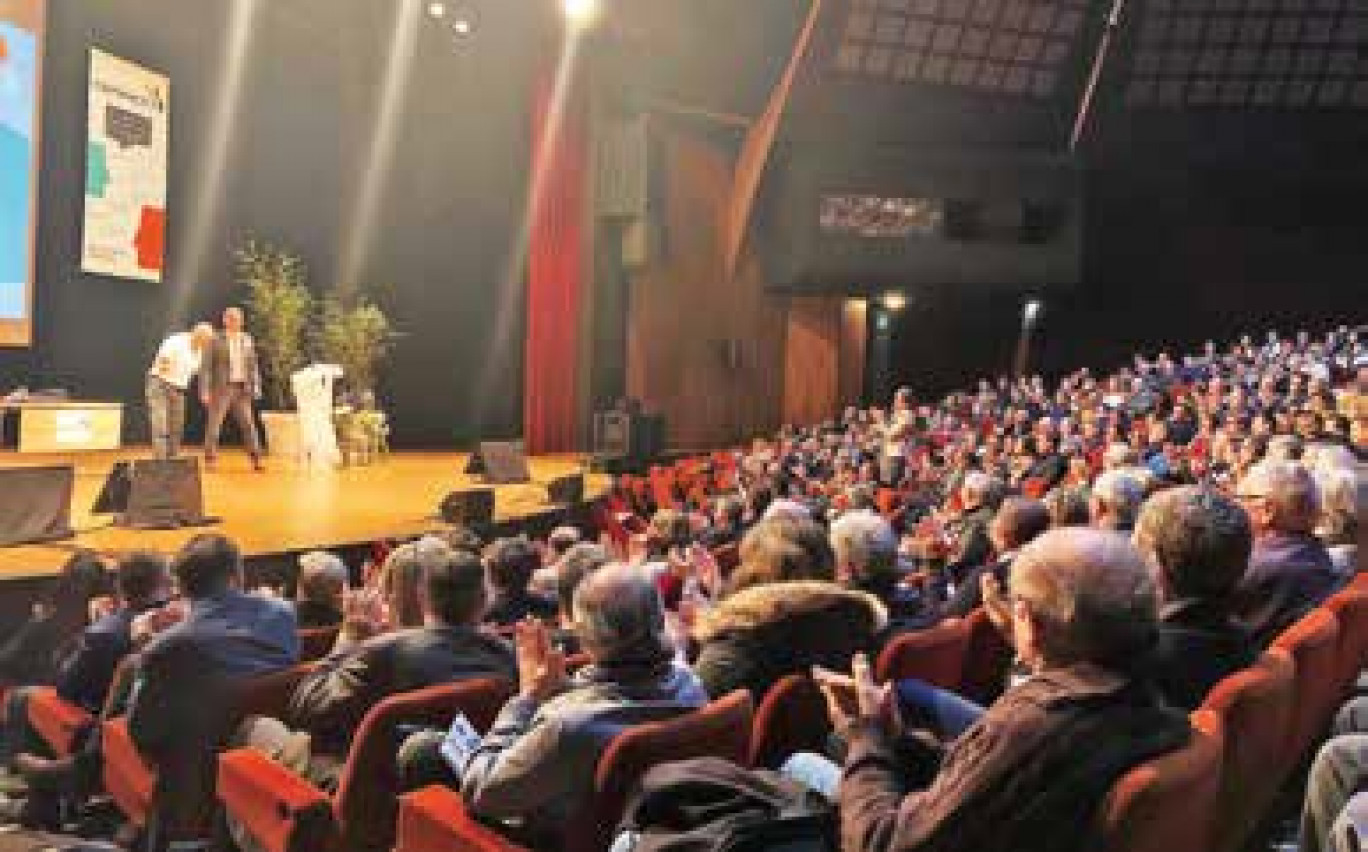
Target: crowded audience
pixel 1135 538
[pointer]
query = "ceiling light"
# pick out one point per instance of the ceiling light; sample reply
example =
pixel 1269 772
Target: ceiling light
pixel 580 11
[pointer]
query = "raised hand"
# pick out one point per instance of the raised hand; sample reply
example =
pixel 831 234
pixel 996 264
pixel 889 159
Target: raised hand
pixel 541 667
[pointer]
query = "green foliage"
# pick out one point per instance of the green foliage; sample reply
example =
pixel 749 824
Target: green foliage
pixel 280 310
pixel 356 335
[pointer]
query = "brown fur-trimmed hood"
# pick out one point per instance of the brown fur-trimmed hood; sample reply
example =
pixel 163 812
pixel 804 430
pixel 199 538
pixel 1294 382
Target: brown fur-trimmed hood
pixel 764 605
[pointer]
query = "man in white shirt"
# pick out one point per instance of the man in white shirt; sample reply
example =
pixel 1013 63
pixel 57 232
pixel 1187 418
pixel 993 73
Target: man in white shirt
pixel 178 360
pixel 231 382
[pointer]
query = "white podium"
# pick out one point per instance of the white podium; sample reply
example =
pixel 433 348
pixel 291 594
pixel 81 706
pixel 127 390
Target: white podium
pixel 313 393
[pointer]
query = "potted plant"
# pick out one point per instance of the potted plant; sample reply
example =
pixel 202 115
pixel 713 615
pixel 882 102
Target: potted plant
pixel 280 309
pixel 355 334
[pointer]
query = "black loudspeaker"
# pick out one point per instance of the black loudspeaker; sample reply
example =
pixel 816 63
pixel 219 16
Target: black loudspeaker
pixel 113 498
pixel 154 494
pixel 500 462
pixel 35 503
pixel 473 507
pixel 566 490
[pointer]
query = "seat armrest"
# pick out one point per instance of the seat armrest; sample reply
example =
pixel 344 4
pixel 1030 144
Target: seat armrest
pixel 55 719
pixel 281 810
pixel 435 818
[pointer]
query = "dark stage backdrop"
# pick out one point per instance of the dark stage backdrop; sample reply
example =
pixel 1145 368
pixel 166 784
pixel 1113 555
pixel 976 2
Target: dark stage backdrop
pixel 441 241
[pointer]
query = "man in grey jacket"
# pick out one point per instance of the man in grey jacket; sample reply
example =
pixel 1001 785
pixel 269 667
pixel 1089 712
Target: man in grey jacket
pixel 536 765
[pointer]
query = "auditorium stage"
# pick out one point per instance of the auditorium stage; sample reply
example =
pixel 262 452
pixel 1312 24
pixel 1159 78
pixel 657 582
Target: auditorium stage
pixel 286 509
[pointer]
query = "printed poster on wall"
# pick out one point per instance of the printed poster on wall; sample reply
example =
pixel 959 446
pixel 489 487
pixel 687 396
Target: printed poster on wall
pixel 126 151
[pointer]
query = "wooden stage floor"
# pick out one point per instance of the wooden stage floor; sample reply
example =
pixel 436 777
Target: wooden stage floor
pixel 288 509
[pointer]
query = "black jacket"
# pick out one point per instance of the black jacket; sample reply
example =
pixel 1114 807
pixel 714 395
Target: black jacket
pixel 1288 576
pixel 313 614
pixel 1199 645
pixel 333 699
pixel 761 634
pixel 968 594
pixel 84 675
pixel 508 609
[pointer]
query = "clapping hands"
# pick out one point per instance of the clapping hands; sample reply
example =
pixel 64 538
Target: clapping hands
pixel 856 696
pixel 541 667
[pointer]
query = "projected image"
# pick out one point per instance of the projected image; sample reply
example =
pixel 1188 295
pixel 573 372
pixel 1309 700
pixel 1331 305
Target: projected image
pixel 19 52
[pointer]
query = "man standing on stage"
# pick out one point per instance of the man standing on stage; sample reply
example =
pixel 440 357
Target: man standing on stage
pixel 231 380
pixel 178 359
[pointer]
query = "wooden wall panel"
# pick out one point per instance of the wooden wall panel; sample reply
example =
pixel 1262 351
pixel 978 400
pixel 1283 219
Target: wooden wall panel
pixel 702 349
pixel 812 359
pixel 854 336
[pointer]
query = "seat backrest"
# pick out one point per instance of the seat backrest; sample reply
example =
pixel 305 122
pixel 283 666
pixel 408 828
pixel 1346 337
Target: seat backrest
pixel 128 779
pixel 1350 607
pixel 367 792
pixel 1313 644
pixel 935 655
pixel 791 718
pixel 1169 803
pixel 315 643
pixel 721 729
pixel 1255 708
pixel 987 661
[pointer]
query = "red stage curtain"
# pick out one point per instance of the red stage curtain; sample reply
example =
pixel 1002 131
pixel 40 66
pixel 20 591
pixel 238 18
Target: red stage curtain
pixel 555 284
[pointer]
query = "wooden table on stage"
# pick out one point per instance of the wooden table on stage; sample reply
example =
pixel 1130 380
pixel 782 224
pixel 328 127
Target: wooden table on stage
pixel 64 426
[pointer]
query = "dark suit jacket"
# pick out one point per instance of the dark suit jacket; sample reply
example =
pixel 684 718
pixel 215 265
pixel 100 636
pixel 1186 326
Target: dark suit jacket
pixel 84 675
pixel 216 369
pixel 332 700
pixel 1200 643
pixel 312 614
pixel 969 594
pixel 187 685
pixel 1288 576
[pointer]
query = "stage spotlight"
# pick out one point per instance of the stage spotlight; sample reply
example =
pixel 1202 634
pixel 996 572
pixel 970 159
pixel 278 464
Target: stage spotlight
pixel 1031 311
pixel 461 26
pixel 580 12
pixel 437 10
pixel 894 301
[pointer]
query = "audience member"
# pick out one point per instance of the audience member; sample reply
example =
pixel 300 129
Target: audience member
pixel 32 653
pixel 1044 756
pixel 1115 500
pixel 1290 571
pixel 511 563
pixel 578 563
pixel 1068 507
pixel 198 654
pixel 1200 540
pixel 784 613
pixel 330 702
pixel 1017 523
pixel 319 590
pixel 536 765
pixel 84 678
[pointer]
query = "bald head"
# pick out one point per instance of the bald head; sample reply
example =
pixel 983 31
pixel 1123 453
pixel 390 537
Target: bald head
pixel 1089 597
pixel 618 615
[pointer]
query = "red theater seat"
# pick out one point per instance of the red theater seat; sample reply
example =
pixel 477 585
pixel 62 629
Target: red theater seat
pixel 436 818
pixel 935 655
pixel 1313 645
pixel 56 720
pixel 128 779
pixel 987 660
pixel 791 718
pixel 280 809
pixel 1170 803
pixel 133 783
pixel 1255 708
pixel 1350 608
